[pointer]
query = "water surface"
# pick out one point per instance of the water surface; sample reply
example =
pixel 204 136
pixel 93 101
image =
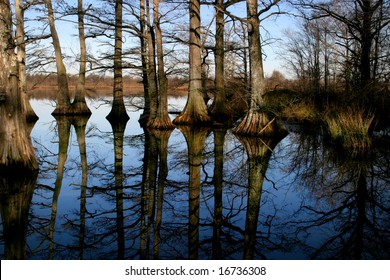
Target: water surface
pixel 121 192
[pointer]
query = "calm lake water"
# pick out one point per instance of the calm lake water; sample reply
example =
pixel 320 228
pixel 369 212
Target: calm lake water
pixel 106 192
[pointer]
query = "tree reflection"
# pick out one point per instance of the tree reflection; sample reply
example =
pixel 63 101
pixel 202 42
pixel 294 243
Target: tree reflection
pixel 195 138
pixel 155 172
pixel 118 128
pixel 16 191
pixel 80 123
pixel 259 151
pixel 349 202
pixel 64 125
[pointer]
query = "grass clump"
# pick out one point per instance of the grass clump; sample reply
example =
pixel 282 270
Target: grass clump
pixel 351 129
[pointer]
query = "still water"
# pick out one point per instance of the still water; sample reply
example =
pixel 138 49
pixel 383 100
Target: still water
pixel 119 192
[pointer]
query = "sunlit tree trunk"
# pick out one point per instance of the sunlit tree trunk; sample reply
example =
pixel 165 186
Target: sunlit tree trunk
pixel 63 99
pixel 118 110
pixel 79 104
pixel 161 120
pixel 21 53
pixel 256 121
pixel 16 149
pixel 195 111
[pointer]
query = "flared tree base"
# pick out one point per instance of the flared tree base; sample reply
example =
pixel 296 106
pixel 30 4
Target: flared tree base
pixel 161 123
pixel 118 113
pixel 257 123
pixel 193 119
pixel 80 108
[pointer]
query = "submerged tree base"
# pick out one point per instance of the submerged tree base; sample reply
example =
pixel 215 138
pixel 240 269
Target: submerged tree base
pixel 257 123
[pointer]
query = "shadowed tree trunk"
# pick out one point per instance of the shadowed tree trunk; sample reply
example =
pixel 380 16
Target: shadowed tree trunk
pixel 195 111
pixel 79 105
pixel 256 121
pixel 63 99
pixel 145 114
pixel 220 110
pixel 161 119
pixel 195 138
pixel 21 53
pixel 118 110
pixel 16 149
pixel 16 191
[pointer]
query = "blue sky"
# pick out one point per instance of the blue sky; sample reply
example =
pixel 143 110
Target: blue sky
pixel 272 30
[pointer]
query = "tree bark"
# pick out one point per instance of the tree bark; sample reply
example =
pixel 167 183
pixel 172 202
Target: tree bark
pixel 220 111
pixel 145 114
pixel 79 104
pixel 63 99
pixel 195 111
pixel 118 110
pixel 21 54
pixel 151 67
pixel 256 121
pixel 16 149
pixel 161 120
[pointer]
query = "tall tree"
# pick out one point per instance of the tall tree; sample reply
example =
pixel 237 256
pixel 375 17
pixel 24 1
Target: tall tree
pixel 143 43
pixel 63 98
pixel 151 65
pixel 118 110
pixel 195 111
pixel 15 144
pixel 161 120
pixel 21 53
pixel 257 121
pixel 79 104
pixel 364 20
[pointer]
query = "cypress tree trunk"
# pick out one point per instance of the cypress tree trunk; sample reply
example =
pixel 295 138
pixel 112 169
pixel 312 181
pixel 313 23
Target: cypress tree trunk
pixel 161 120
pixel 16 149
pixel 118 110
pixel 63 99
pixel 256 121
pixel 79 104
pixel 195 111
pixel 145 114
pixel 151 67
pixel 21 53
pixel 220 111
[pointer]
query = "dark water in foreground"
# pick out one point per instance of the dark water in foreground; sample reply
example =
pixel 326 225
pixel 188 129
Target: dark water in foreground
pixel 187 194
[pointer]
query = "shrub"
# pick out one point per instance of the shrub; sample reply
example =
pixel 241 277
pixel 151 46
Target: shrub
pixel 351 129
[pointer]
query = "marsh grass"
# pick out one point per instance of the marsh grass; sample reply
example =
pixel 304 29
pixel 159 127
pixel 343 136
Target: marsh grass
pixel 351 129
